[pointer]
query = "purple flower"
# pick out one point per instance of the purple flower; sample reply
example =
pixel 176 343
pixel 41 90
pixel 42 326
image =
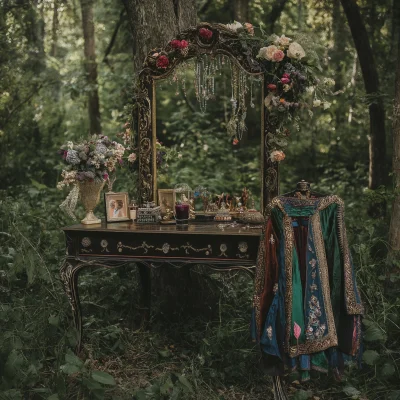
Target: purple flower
pixel 105 176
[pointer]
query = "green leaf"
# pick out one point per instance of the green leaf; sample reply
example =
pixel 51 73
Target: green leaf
pixel 53 397
pixel 103 377
pixel 164 353
pixel 54 320
pixel 395 395
pixel 140 395
pixel 374 333
pixel 71 358
pixel 185 382
pixel 370 357
pixel 388 369
pixel 70 369
pixel 351 391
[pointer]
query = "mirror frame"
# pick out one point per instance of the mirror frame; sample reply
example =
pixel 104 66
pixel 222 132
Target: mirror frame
pixel 226 42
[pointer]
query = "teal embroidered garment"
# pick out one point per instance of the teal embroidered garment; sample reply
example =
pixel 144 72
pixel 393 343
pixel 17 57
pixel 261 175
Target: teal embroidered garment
pixel 307 308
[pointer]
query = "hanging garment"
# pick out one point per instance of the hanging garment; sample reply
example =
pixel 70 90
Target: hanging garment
pixel 307 308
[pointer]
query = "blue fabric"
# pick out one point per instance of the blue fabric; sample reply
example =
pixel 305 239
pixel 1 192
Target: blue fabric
pixel 268 340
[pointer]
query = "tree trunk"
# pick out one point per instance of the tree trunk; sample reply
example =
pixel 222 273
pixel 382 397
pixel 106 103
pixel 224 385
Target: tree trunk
pixel 91 66
pixel 394 230
pixel 274 15
pixel 377 140
pixel 54 29
pixel 154 23
pixel 240 10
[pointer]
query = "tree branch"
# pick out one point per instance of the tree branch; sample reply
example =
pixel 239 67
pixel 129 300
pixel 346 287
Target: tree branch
pixel 113 37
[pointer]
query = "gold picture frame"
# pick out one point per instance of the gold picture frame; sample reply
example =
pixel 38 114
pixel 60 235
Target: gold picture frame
pixel 166 200
pixel 116 206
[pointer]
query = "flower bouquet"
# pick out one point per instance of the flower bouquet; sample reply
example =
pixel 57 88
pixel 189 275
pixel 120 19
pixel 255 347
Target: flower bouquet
pixel 89 165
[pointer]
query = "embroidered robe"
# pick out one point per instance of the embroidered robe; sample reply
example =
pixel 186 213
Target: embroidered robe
pixel 307 308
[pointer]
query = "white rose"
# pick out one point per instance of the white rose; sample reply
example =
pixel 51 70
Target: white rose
pixel 284 41
pixel 295 51
pixel 268 101
pixel 286 88
pixel 70 144
pixel 235 26
pixel 317 103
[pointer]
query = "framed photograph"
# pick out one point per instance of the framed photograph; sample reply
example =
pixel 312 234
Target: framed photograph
pixel 166 200
pixel 117 207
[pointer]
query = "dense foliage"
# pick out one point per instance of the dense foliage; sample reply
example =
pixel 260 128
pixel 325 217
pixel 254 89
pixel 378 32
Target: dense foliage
pixel 200 349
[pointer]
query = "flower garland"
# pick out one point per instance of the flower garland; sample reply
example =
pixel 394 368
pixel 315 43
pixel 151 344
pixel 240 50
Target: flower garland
pixel 291 77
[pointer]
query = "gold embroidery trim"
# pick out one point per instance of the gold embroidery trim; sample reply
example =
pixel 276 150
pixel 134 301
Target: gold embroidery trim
pixel 352 306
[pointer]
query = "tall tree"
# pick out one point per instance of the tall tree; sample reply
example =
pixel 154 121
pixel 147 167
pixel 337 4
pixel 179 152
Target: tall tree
pixel 377 140
pixel 394 230
pixel 153 23
pixel 275 13
pixel 240 10
pixel 91 65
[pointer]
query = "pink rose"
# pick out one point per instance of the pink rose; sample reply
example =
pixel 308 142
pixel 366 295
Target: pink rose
pixel 162 62
pixel 278 56
pixel 132 157
pixel 176 44
pixel 285 80
pixel 286 75
pixel 271 87
pixel 249 27
pixel 184 44
pixel 235 142
pixel 277 155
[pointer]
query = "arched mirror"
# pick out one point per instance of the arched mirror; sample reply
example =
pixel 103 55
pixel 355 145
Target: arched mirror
pixel 204 91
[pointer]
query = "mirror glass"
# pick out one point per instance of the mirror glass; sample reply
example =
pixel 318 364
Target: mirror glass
pixel 208 128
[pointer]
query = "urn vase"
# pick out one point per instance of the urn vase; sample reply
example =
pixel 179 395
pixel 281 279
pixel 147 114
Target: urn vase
pixel 90 196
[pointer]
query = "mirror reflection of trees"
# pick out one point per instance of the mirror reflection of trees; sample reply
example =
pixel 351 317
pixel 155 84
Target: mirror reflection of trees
pixel 192 128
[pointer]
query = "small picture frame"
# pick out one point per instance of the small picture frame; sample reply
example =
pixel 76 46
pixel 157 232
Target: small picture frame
pixel 116 206
pixel 166 200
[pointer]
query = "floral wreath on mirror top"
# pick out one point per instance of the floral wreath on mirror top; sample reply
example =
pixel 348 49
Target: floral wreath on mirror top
pixel 291 70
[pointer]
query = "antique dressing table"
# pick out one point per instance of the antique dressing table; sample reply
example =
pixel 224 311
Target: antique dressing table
pixel 113 245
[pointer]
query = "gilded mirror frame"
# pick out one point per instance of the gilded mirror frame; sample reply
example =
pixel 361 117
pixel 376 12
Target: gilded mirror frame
pixel 223 41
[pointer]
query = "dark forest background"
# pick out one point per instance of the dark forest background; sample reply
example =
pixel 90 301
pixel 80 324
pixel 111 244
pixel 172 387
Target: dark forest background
pixel 67 68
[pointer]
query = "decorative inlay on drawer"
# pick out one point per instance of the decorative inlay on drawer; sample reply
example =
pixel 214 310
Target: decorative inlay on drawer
pixel 243 247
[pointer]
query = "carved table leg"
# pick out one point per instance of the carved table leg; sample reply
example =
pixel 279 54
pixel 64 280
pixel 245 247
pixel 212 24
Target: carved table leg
pixel 145 280
pixel 69 276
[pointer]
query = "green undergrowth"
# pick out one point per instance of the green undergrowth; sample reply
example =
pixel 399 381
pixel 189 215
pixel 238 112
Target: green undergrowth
pixel 197 345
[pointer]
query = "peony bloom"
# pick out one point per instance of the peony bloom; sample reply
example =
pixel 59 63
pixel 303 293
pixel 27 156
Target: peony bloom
pixel 295 51
pixel 271 87
pixel 132 157
pixel 249 28
pixel 235 141
pixel 162 62
pixel 205 33
pixel 176 44
pixel 235 26
pixel 283 41
pixel 184 44
pixel 277 155
pixel 278 56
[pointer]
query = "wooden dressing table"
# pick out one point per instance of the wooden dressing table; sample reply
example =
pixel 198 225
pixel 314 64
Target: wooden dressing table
pixel 219 246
